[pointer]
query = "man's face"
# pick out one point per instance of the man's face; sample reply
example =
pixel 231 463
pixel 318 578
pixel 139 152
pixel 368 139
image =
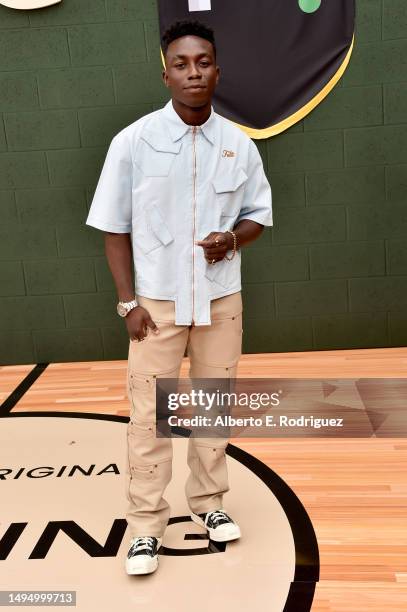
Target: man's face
pixel 191 71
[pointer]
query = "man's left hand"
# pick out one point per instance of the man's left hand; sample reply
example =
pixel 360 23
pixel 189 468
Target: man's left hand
pixel 216 245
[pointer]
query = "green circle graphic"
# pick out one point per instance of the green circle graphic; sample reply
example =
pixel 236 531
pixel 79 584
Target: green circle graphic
pixel 309 6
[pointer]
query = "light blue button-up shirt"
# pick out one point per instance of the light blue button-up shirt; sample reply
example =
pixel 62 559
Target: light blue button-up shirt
pixel 170 184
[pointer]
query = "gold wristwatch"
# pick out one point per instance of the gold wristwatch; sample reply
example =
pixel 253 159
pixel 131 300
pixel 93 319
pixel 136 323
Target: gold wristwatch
pixel 123 308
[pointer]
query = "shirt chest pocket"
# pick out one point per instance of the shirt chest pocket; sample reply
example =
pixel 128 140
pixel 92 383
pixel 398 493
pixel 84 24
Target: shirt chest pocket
pixel 229 188
pixel 155 154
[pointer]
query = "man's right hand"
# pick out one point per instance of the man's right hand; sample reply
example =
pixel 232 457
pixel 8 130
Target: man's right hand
pixel 138 321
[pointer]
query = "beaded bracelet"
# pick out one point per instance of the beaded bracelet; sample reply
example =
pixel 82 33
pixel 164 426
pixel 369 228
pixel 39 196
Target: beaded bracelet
pixel 234 244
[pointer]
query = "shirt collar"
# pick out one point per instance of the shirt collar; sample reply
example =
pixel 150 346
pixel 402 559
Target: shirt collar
pixel 178 127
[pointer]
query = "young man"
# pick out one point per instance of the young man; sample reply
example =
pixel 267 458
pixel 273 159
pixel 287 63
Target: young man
pixel 181 191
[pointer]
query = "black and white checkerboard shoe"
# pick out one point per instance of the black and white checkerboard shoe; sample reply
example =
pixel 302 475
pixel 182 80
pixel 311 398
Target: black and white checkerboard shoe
pixel 220 526
pixel 142 557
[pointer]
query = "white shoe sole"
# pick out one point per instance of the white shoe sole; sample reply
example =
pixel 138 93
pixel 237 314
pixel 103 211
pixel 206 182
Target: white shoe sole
pixel 233 534
pixel 139 565
pixel 142 567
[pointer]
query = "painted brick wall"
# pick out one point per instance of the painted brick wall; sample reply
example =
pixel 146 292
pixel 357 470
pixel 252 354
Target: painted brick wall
pixel 332 273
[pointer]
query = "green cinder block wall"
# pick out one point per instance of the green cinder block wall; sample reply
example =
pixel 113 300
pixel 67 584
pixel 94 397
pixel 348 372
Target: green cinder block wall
pixel 330 274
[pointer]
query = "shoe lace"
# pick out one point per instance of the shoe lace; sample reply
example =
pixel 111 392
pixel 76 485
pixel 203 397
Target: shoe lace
pixel 142 543
pixel 217 515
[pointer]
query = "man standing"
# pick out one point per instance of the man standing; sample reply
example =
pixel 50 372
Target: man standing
pixel 181 191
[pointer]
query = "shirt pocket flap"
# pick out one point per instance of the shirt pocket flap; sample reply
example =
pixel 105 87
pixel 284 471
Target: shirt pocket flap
pixel 158 225
pixel 159 142
pixel 218 272
pixel 229 181
pixel 154 155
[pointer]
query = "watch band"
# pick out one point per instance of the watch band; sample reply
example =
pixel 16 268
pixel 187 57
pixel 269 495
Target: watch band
pixel 123 308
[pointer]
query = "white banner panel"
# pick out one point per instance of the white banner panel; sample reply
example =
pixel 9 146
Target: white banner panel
pixel 28 4
pixel 199 5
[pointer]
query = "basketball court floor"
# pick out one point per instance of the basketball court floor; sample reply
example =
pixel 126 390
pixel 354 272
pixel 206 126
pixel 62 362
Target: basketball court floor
pixel 323 520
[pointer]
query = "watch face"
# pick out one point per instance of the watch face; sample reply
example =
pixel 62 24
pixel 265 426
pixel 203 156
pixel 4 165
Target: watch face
pixel 121 310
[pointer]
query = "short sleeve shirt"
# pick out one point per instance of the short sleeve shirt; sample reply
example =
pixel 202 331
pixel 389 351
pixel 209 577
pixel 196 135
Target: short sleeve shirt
pixel 170 184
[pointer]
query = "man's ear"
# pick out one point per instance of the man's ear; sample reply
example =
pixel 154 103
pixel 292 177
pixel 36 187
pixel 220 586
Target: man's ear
pixel 217 74
pixel 165 77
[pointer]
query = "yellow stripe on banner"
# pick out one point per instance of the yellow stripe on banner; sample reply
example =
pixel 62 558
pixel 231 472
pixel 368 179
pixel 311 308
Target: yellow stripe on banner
pixel 273 130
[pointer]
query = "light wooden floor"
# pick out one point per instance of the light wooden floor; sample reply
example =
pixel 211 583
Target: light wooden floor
pixel 354 490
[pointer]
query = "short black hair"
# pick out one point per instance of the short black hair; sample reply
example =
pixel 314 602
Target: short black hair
pixel 187 27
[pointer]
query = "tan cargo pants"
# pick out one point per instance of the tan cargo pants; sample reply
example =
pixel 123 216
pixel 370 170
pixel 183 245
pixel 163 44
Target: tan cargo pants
pixel 214 351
